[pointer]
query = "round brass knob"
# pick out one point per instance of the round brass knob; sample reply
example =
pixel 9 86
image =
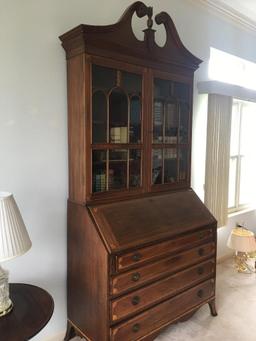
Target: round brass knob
pixel 200 293
pixel 136 257
pixel 136 327
pixel 201 252
pixel 135 277
pixel 200 270
pixel 201 234
pixel 135 300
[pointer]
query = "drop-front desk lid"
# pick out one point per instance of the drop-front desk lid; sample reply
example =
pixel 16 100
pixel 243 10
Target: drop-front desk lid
pixel 130 223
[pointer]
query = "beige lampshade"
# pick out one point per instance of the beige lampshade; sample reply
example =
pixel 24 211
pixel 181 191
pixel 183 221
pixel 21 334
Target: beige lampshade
pixel 242 240
pixel 14 238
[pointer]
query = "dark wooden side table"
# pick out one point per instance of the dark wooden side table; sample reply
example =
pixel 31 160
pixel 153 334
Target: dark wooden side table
pixel 33 308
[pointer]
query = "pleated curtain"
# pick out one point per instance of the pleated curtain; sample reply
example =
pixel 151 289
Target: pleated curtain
pixel 217 156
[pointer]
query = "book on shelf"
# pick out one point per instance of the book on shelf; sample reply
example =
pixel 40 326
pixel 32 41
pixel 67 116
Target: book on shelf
pixel 170 139
pixel 118 134
pixel 158 113
pixel 100 182
pixel 170 153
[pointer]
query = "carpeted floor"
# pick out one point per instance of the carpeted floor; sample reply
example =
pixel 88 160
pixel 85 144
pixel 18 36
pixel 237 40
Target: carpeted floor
pixel 236 305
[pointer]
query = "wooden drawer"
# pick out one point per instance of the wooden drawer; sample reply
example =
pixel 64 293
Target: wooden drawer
pixel 162 314
pixel 170 246
pixel 161 290
pixel 142 275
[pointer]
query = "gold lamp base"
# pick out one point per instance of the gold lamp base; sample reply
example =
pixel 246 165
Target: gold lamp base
pixel 7 310
pixel 242 263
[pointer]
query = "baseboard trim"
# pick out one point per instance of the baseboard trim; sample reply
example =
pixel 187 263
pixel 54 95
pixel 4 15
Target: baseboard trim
pixel 58 337
pixel 224 258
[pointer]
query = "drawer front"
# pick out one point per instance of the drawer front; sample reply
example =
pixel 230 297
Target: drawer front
pixel 142 275
pixel 173 245
pixel 163 313
pixel 145 297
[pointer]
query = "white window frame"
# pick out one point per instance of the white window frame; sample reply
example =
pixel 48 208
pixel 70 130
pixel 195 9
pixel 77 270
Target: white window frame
pixel 238 157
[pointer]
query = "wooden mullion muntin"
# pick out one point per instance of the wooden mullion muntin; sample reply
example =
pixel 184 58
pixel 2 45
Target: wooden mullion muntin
pixel 146 145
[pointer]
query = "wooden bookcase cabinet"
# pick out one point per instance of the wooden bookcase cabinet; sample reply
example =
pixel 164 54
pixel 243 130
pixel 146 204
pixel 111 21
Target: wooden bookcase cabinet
pixel 141 245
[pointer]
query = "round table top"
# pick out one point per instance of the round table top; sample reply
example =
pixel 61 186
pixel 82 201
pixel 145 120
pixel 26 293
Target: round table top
pixel 32 309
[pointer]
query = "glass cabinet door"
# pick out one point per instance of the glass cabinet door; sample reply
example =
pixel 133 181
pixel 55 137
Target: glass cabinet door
pixel 116 127
pixel 171 132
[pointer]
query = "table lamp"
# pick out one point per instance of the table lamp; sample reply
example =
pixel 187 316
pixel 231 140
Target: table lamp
pixel 243 242
pixel 14 241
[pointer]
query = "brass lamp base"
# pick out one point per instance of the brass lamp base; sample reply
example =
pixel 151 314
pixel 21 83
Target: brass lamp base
pixel 7 311
pixel 241 263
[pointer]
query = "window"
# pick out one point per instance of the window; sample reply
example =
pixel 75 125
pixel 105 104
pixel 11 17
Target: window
pixel 230 174
pixel 242 171
pixel 227 68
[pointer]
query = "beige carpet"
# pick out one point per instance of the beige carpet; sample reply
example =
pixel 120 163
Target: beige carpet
pixel 236 305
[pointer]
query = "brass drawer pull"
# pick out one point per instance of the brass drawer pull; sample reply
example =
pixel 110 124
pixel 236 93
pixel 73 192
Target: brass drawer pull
pixel 136 327
pixel 201 234
pixel 200 293
pixel 200 270
pixel 136 257
pixel 135 277
pixel 135 300
pixel 201 252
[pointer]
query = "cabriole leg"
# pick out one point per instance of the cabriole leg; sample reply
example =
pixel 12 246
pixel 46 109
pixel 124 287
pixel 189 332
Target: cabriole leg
pixel 213 308
pixel 70 332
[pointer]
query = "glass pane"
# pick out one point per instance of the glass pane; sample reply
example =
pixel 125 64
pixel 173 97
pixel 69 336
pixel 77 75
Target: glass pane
pixel 170 165
pixel 118 116
pixel 183 164
pixel 232 182
pixel 184 122
pixel 157 166
pixel 248 123
pixel 134 168
pixel 247 181
pixel 163 89
pixel 132 83
pixel 99 170
pixel 135 120
pixel 247 154
pixel 171 123
pixel 158 117
pixel 117 169
pixel 181 91
pixel 103 78
pixel 99 117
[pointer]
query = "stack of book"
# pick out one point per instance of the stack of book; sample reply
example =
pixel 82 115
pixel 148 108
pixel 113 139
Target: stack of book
pixel 158 121
pixel 170 139
pixel 100 182
pixel 170 153
pixel 118 134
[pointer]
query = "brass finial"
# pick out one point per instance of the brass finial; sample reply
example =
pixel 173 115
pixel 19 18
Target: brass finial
pixel 150 14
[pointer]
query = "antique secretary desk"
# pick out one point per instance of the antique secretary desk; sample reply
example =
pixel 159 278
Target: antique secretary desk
pixel 141 245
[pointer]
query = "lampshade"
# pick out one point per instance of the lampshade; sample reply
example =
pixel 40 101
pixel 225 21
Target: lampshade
pixel 242 240
pixel 14 238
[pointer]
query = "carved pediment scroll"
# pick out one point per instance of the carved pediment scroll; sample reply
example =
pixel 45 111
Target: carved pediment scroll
pixel 118 40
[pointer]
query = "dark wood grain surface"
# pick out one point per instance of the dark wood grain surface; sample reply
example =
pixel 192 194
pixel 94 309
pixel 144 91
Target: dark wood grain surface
pixel 143 298
pixel 33 308
pixel 135 222
pixel 161 268
pixel 88 275
pixel 139 257
pixel 145 323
